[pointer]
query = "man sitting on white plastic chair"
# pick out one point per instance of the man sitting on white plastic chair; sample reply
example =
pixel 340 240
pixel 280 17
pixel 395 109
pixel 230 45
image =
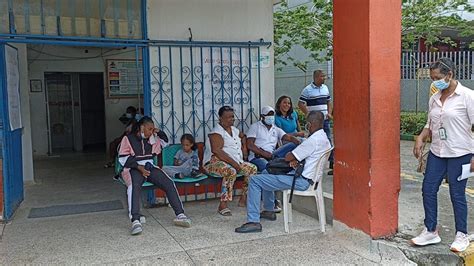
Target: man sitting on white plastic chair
pixel 266 184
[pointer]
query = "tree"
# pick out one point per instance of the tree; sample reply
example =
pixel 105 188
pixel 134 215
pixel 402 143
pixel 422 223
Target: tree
pixel 310 26
pixel 427 19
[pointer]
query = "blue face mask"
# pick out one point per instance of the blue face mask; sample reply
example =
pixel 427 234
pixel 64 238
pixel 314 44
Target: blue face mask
pixel 138 117
pixel 128 115
pixel 269 120
pixel 441 84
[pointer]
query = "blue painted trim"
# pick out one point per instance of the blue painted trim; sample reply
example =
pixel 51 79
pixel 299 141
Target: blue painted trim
pixel 171 43
pixel 212 90
pixel 73 43
pixel 250 83
pixel 144 18
pixel 222 78
pixel 172 90
pixel 183 124
pixel 146 81
pixel 191 72
pixel 241 88
pixel 160 87
pixel 259 81
pixel 203 96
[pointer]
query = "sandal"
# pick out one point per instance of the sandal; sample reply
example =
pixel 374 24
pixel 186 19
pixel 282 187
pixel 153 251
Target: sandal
pixel 225 212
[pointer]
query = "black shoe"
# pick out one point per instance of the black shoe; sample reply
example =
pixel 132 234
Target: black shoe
pixel 195 173
pixel 268 215
pixel 330 172
pixel 249 228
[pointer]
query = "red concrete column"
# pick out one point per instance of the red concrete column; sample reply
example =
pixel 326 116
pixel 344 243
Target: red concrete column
pixel 367 110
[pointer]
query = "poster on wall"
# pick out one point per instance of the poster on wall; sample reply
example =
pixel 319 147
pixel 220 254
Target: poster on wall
pixel 13 87
pixel 124 78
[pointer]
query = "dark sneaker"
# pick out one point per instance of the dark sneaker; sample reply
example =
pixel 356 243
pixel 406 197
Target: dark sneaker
pixel 330 172
pixel 195 173
pixel 249 228
pixel 136 228
pixel 268 215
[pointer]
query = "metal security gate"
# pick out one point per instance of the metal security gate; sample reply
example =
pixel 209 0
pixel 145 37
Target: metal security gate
pixel 10 130
pixel 190 82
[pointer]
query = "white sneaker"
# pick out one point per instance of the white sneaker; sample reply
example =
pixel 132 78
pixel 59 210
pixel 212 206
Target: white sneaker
pixel 461 242
pixel 136 227
pixel 426 238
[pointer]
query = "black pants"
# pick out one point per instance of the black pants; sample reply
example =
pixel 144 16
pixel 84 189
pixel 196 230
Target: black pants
pixel 162 181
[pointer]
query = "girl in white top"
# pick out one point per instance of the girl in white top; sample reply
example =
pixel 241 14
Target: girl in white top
pixel 224 157
pixel 450 126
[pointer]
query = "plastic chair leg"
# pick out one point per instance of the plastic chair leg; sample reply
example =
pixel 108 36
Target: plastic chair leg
pixel 285 211
pixel 290 213
pixel 321 210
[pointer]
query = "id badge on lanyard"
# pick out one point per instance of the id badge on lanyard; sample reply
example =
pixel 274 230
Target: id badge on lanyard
pixel 442 133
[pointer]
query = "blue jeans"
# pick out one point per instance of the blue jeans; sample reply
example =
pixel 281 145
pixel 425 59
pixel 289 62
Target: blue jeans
pixel 436 170
pixel 265 185
pixel 261 163
pixel 327 130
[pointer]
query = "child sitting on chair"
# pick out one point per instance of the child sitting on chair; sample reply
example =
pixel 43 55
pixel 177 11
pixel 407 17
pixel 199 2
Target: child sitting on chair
pixel 186 160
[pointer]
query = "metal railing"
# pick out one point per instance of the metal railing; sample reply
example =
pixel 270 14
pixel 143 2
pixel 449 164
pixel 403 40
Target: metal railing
pixel 190 82
pixel 415 65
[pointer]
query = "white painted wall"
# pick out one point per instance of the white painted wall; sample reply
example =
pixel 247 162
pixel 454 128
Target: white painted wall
pixel 39 63
pixel 215 20
pixel 27 155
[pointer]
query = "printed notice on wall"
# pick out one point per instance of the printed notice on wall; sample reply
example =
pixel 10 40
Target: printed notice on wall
pixel 13 87
pixel 124 78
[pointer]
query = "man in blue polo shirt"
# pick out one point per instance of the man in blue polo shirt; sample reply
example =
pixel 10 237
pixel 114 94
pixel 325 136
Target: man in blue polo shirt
pixel 316 97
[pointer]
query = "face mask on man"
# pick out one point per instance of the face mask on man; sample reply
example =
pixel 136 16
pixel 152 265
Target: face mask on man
pixel 138 117
pixel 128 115
pixel 269 120
pixel 441 84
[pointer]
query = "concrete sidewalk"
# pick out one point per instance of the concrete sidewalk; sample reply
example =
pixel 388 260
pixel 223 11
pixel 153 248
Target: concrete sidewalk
pixel 103 237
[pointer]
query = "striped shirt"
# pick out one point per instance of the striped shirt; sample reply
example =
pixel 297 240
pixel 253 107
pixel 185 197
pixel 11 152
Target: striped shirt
pixel 316 98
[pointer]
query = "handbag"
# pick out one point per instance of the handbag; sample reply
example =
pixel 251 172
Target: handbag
pixel 422 160
pixel 278 166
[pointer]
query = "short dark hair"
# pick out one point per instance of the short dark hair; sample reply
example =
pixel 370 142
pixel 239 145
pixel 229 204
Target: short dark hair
pixel 131 109
pixel 223 109
pixel 316 116
pixel 444 65
pixel 318 72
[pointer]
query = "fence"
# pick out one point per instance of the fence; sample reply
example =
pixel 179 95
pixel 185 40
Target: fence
pixel 189 83
pixel 415 65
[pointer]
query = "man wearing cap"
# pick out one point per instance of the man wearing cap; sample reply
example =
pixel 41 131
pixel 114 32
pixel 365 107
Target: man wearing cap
pixel 263 137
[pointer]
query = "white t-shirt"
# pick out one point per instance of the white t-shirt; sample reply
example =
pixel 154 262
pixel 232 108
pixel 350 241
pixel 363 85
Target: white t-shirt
pixel 265 138
pixel 232 144
pixel 311 150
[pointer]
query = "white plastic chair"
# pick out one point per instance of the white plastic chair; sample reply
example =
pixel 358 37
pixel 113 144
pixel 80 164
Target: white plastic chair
pixel 311 192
